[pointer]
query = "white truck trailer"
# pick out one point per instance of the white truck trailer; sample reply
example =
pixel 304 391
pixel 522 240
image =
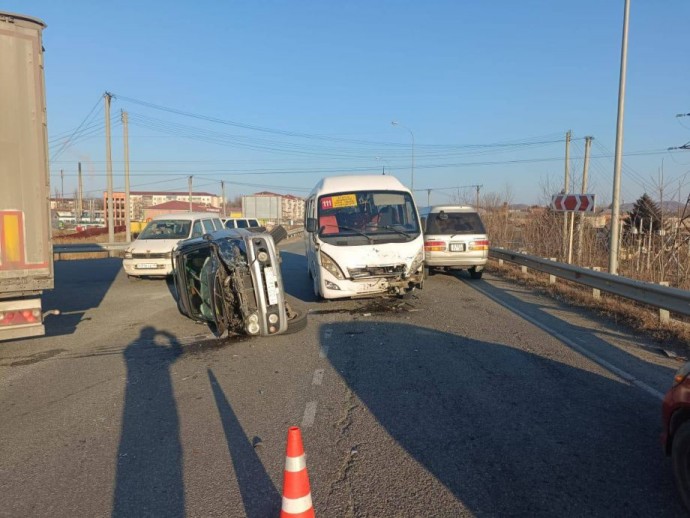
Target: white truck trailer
pixel 26 256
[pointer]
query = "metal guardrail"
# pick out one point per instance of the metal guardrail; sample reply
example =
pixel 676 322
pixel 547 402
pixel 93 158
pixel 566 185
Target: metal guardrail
pixel 112 249
pixel 672 299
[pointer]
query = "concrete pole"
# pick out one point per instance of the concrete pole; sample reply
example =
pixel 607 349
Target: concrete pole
pixel 477 203
pixel 581 223
pixel 616 197
pixel 128 217
pixel 222 190
pixel 109 169
pixel 80 194
pixel 190 194
pixel 566 189
pixel 428 197
pixel 62 187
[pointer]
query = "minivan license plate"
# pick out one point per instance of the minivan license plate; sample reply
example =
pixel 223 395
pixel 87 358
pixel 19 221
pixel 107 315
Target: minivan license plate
pixel 147 266
pixel 457 247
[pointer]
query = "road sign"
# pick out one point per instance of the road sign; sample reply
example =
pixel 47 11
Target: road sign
pixel 573 202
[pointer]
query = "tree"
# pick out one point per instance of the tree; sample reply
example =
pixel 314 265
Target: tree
pixel 643 209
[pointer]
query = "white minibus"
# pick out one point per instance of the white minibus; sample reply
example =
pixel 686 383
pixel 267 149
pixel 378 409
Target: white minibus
pixel 363 237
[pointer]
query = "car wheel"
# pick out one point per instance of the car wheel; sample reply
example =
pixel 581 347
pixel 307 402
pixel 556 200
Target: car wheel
pixel 476 274
pixel 297 318
pixel 680 456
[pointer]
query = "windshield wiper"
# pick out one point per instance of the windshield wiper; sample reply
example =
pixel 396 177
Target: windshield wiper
pixel 353 230
pixel 389 227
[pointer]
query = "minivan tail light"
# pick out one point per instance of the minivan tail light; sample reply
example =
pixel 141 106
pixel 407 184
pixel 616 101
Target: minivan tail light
pixel 434 246
pixel 479 244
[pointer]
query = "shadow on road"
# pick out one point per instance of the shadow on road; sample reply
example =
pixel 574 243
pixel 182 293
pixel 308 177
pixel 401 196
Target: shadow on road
pixel 296 279
pixel 508 432
pixel 79 286
pixel 149 478
pixel 259 495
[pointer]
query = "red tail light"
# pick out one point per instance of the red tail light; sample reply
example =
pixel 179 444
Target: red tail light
pixel 434 246
pixel 479 244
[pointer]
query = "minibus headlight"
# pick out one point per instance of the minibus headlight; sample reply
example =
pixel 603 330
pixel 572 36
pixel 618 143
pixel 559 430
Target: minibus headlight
pixel 331 266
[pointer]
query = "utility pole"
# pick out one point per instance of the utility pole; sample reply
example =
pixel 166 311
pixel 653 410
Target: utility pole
pixel 128 217
pixel 616 205
pixel 80 194
pixel 428 197
pixel 581 223
pixel 62 188
pixel 190 194
pixel 222 189
pixel 566 188
pixel 109 169
pixel 477 203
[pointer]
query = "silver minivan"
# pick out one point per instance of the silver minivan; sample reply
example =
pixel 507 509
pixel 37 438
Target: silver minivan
pixel 454 238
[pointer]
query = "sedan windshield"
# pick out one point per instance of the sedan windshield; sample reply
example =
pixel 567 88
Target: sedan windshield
pixel 167 229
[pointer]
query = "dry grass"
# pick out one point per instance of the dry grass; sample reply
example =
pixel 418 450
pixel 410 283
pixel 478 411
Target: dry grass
pixel 673 336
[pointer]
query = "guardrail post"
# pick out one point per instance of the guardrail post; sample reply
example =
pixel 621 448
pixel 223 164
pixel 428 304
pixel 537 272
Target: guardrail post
pixel 552 278
pixel 664 315
pixel 500 262
pixel 523 269
pixel 596 293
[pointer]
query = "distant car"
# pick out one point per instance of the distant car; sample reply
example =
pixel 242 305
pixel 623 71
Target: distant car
pixel 251 224
pixel 150 255
pixel 454 238
pixel 231 281
pixel 675 437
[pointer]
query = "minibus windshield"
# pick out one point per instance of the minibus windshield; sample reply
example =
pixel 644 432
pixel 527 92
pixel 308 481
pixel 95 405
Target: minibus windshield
pixel 372 213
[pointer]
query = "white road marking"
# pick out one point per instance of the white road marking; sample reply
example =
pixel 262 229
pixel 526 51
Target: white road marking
pixel 584 352
pixel 323 353
pixel 309 414
pixel 318 377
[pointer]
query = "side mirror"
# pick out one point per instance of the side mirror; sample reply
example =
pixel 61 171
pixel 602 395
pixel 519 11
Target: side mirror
pixel 311 225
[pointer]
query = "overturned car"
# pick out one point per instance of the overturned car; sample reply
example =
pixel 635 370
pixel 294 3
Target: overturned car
pixel 231 281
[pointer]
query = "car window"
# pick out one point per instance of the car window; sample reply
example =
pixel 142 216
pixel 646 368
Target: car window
pixel 217 223
pixel 254 223
pixel 229 223
pixel 242 223
pixel 454 223
pixel 197 231
pixel 166 229
pixel 208 225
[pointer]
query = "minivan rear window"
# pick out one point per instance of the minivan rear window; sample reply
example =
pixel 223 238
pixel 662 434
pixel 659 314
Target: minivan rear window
pixel 454 223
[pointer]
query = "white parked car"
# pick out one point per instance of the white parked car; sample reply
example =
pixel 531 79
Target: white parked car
pixel 150 255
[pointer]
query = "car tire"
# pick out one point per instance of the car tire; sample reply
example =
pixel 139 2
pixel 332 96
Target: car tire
pixel 680 457
pixel 298 321
pixel 476 274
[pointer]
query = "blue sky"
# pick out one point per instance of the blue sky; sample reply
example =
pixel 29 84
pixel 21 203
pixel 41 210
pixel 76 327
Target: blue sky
pixel 323 80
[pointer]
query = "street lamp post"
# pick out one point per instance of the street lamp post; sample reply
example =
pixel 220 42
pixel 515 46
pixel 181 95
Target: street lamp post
pixel 384 163
pixel 396 123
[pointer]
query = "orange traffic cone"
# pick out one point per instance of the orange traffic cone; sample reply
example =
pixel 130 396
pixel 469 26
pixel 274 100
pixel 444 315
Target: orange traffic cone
pixel 296 491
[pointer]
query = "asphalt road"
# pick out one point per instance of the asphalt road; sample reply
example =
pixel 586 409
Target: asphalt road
pixel 473 398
